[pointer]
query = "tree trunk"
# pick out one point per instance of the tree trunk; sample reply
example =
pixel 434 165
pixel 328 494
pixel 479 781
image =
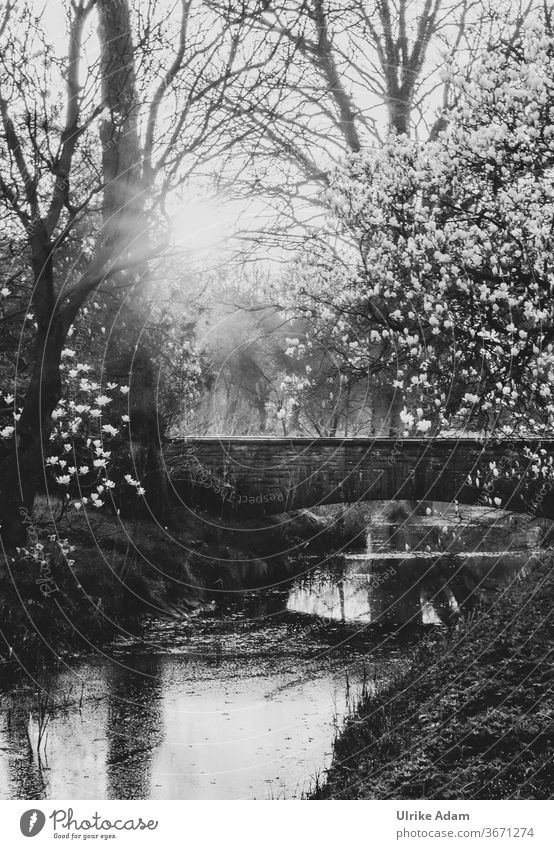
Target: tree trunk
pixel 128 356
pixel 399 114
pixel 121 155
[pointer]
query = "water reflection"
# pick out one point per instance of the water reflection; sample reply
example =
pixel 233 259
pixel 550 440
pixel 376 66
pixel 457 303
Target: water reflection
pixel 242 700
pixel 404 588
pixel 134 727
pixel 177 732
pixel 20 767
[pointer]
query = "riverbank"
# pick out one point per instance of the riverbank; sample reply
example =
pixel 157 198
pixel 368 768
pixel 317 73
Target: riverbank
pixel 108 573
pixel 473 719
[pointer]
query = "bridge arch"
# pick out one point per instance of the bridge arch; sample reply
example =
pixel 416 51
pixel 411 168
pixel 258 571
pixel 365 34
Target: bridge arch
pixel 262 475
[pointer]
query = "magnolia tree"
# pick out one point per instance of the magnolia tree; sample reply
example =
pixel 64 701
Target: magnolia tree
pixel 335 76
pixel 444 266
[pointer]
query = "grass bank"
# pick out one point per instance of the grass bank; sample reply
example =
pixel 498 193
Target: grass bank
pixel 473 719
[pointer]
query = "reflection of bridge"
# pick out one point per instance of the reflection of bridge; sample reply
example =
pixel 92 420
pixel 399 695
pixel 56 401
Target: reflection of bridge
pixel 272 475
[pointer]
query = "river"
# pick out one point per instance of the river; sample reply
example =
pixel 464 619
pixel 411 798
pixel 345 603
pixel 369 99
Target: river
pixel 243 698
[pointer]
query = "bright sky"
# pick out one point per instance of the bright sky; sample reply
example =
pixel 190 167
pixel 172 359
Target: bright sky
pixel 200 223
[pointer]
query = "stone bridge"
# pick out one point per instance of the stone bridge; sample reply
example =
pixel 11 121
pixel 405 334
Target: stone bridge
pixel 262 475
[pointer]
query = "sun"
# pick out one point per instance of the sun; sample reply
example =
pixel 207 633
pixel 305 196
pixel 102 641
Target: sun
pixel 200 225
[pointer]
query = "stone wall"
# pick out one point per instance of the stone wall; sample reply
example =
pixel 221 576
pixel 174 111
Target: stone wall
pixel 271 475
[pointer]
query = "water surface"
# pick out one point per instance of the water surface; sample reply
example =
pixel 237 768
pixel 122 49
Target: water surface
pixel 243 699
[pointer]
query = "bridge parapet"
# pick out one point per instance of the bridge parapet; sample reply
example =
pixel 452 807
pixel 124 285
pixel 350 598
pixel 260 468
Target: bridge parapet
pixel 272 475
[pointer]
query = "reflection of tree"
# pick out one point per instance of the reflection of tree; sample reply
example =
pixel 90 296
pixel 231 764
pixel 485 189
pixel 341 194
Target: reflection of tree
pixel 451 587
pixel 454 587
pixel 340 587
pixel 436 590
pixel 393 596
pixel 25 764
pixel 134 728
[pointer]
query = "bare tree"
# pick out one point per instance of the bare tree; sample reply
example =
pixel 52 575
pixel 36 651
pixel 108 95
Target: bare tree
pixel 133 122
pixel 337 77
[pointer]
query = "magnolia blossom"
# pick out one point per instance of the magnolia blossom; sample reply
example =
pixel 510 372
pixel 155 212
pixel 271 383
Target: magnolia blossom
pixel 406 417
pixel 110 429
pixel 447 255
pixel 424 425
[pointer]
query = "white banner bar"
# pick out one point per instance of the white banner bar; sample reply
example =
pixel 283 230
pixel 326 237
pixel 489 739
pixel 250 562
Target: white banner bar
pixel 278 824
